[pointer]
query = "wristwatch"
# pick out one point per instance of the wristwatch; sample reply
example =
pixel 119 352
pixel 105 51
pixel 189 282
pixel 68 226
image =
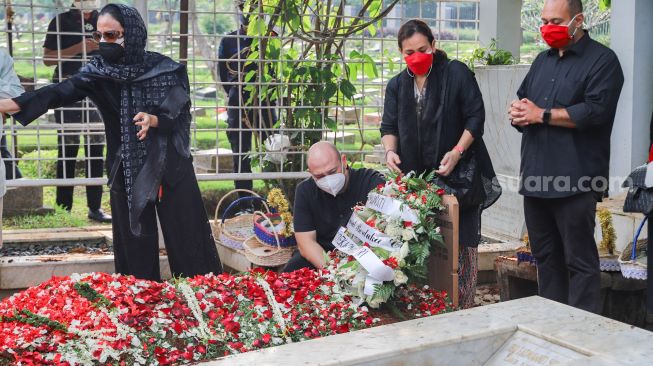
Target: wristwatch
pixel 546 116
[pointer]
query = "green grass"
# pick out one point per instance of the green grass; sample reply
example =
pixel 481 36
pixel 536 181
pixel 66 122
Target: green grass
pixel 59 218
pixel 26 69
pixel 226 186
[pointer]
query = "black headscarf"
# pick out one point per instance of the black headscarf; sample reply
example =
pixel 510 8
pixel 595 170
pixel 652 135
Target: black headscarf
pixel 147 79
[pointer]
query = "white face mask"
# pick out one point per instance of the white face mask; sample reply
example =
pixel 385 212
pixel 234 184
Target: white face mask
pixel 332 184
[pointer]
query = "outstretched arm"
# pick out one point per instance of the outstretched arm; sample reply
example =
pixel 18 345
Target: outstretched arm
pixel 29 106
pixel 8 106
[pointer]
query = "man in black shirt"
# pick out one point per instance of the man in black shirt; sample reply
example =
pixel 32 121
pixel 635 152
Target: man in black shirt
pixel 566 111
pixel 324 202
pixel 69 38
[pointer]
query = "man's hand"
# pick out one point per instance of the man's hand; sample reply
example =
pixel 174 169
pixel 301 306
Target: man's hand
pixel 448 163
pixel 310 249
pixel 392 160
pixel 91 45
pixel 524 112
pixel 145 121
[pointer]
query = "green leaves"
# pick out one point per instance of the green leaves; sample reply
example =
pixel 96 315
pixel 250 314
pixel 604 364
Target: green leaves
pixel 347 88
pixel 375 8
pixel 86 291
pixel 256 27
pixel 490 55
pixel 330 90
pixel 368 63
pixel 311 62
pixel 384 291
pixel 27 317
pixel 389 61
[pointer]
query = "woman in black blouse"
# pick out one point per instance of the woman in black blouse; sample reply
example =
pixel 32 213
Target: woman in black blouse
pixel 144 101
pixel 429 127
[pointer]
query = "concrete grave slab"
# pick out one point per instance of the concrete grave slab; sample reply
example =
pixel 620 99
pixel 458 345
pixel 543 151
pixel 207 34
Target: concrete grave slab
pixel 528 331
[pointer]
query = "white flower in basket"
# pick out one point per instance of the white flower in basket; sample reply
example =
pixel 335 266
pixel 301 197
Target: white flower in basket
pixel 279 227
pixel 277 146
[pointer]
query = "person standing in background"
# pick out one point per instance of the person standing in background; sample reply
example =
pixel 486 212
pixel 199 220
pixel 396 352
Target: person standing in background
pixel 241 116
pixel 67 43
pixel 9 88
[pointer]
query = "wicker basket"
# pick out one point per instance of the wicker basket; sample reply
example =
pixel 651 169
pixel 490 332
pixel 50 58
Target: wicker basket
pixel 609 263
pixel 233 232
pixel 266 236
pixel 630 266
pixel 264 255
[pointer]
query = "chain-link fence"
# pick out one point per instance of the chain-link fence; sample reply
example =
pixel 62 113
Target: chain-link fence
pixel 237 104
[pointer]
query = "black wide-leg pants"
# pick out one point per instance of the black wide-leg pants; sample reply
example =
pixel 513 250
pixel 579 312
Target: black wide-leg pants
pixel 561 233
pixel 186 231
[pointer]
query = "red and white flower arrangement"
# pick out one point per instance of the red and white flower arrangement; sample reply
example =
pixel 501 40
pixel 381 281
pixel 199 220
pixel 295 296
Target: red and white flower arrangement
pixel 98 318
pixel 388 240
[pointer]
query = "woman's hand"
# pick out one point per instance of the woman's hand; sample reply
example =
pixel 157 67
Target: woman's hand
pixel 392 160
pixel 145 121
pixel 448 163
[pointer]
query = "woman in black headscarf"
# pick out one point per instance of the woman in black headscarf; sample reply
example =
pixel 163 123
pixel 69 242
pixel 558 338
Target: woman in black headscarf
pixel 144 101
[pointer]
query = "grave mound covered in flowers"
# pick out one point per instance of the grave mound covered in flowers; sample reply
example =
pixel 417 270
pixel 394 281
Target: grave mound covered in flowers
pixel 99 318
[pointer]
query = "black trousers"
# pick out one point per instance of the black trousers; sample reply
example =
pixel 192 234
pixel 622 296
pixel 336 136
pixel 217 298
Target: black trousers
pixel 11 166
pixel 561 232
pixel 67 153
pixel 241 141
pixel 185 226
pixel 297 262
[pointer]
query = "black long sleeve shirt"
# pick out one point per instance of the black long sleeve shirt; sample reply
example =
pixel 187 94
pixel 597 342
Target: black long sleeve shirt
pixel 105 93
pixel 463 110
pixel 561 162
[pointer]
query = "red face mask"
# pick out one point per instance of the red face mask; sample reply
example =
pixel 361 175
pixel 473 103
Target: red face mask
pixel 557 36
pixel 419 62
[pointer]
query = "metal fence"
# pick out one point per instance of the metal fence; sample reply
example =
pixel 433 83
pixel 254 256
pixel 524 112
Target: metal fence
pixel 191 32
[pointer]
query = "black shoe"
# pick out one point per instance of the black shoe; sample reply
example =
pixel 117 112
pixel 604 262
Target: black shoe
pixel 99 216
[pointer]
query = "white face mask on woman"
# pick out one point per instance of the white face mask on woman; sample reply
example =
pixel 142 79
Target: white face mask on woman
pixel 333 183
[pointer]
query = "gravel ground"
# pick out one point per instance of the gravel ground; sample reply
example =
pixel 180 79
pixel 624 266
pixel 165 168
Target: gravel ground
pixel 16 250
pixel 487 294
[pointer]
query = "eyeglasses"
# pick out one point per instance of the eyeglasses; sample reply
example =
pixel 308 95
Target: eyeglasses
pixel 109 36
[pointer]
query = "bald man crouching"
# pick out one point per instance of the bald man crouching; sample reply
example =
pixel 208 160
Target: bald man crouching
pixel 324 202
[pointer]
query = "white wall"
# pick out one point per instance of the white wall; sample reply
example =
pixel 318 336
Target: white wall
pixel 632 40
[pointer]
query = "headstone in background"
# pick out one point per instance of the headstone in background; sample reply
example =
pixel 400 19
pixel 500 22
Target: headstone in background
pixel 213 161
pixel 24 200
